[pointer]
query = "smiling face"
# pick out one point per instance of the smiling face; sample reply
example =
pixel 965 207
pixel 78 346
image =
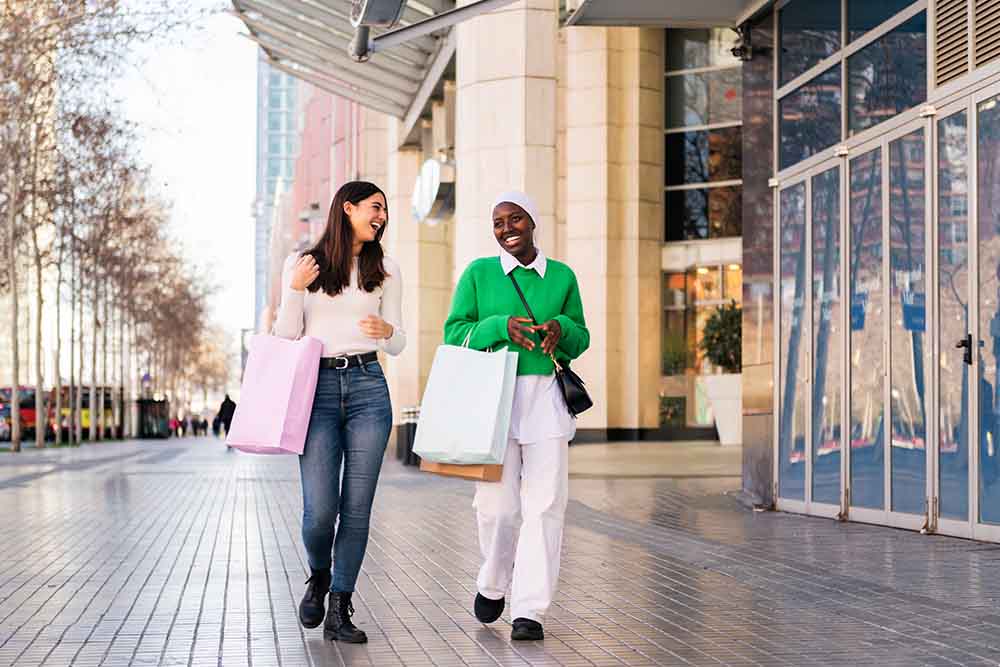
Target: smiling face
pixel 513 229
pixel 368 217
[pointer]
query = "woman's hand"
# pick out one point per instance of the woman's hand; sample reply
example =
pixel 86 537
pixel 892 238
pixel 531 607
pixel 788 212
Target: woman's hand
pixel 304 272
pixel 375 327
pixel 518 329
pixel 551 333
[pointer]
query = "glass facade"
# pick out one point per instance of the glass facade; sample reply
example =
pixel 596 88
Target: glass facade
pixel 808 33
pixel 881 84
pixel 810 118
pixel 863 60
pixel 703 143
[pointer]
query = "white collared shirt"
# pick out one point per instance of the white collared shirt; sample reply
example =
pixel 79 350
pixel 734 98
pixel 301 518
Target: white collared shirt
pixel 539 411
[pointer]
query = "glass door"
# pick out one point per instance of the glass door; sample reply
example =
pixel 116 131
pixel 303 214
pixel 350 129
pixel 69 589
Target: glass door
pixel 985 127
pixel 953 460
pixel 888 351
pixel 810 347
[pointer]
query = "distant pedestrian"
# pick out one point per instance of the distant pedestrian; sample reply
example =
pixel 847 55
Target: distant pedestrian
pixel 521 517
pixel 347 293
pixel 216 425
pixel 174 426
pixel 226 411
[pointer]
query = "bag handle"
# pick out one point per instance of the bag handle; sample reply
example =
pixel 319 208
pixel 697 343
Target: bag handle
pixel 530 314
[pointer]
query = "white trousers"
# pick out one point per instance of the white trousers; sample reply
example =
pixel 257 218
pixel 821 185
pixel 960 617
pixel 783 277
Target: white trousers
pixel 521 525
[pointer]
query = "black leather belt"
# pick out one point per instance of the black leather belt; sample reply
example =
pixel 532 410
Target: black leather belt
pixel 348 361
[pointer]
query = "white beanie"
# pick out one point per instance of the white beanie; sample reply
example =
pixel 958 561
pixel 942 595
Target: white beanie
pixel 522 200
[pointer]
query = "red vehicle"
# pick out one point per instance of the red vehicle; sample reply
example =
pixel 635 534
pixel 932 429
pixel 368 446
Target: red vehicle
pixel 26 396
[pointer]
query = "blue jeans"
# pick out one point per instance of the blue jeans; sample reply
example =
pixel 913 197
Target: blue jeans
pixel 350 424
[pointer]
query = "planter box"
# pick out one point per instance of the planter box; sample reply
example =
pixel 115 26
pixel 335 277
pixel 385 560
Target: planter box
pixel 725 393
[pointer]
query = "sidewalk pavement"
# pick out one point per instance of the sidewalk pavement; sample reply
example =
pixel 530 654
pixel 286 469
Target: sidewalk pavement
pixel 184 553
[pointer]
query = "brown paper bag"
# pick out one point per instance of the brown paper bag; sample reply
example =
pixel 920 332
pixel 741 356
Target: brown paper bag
pixel 479 473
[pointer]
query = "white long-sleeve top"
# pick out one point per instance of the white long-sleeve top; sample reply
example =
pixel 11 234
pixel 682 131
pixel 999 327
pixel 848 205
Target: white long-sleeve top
pixel 335 319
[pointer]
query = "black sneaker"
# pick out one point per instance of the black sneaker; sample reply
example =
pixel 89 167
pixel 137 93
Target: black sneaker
pixel 311 608
pixel 526 629
pixel 338 626
pixel 488 610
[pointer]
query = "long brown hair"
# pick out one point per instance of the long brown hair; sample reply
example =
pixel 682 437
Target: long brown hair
pixel 333 251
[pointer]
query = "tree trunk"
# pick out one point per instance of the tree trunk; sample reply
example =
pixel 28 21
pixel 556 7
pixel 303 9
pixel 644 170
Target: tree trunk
pixel 95 410
pixel 58 362
pixel 78 425
pixel 41 418
pixel 122 375
pixel 104 361
pixel 15 398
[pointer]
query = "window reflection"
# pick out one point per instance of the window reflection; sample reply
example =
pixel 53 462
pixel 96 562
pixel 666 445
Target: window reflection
pixel 953 322
pixel 808 32
pixel 810 118
pixel 703 213
pixel 863 15
pixel 689 48
pixel 704 156
pixel 827 332
pixel 988 190
pixel 704 98
pixel 888 76
pixel 793 344
pixel 908 292
pixel 867 340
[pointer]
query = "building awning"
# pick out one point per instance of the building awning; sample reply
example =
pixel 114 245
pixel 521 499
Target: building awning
pixel 665 13
pixel 309 39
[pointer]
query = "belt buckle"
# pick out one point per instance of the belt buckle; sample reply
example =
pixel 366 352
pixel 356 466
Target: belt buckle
pixel 346 360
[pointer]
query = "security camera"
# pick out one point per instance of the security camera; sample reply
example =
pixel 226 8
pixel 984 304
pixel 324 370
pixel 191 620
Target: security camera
pixel 742 49
pixel 376 13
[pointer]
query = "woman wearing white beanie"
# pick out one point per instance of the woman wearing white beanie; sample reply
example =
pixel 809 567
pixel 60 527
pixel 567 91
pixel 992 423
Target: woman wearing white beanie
pixel 521 517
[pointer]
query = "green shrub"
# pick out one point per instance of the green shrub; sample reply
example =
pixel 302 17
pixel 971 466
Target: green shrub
pixel 722 340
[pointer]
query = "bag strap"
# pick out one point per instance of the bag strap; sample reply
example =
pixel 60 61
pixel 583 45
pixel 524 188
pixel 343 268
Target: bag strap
pixel 523 300
pixel 510 275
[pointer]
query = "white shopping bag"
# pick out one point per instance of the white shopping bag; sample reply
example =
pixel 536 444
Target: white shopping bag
pixel 465 413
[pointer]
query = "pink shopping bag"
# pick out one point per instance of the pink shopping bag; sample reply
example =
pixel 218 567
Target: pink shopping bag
pixel 279 383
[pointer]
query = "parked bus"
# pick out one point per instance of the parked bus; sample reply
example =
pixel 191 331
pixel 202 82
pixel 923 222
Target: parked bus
pixel 26 396
pixel 69 402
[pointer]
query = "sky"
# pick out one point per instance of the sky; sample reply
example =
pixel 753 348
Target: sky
pixel 194 101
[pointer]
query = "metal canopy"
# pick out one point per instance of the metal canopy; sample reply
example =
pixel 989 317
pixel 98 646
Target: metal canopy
pixel 665 13
pixel 309 39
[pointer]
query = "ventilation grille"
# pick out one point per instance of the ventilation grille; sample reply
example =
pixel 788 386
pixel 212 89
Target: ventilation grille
pixel 951 40
pixel 987 31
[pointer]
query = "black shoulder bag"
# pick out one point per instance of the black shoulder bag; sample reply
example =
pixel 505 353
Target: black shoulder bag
pixel 572 387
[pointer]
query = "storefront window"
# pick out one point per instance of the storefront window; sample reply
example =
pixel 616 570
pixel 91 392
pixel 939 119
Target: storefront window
pixel 700 48
pixel 703 143
pixel 703 98
pixel 884 78
pixel 863 15
pixel 704 156
pixel 810 118
pixel 881 83
pixel 808 32
pixel 689 300
pixel 704 213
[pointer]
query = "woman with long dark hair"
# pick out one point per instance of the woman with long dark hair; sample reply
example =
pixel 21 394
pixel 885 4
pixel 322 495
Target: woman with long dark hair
pixel 347 293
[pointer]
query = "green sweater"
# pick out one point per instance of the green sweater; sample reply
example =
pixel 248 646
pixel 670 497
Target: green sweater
pixel 485 299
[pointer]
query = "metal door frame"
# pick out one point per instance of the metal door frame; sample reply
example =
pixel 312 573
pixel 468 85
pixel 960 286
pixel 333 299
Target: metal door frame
pixel 887 516
pixel 805 177
pixel 955 527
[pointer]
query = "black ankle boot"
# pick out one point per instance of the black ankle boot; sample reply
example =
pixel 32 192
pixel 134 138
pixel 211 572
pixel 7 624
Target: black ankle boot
pixel 338 626
pixel 311 608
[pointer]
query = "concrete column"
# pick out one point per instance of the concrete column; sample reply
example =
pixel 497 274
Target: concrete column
pixel 614 190
pixel 506 120
pixel 424 256
pixel 374 147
